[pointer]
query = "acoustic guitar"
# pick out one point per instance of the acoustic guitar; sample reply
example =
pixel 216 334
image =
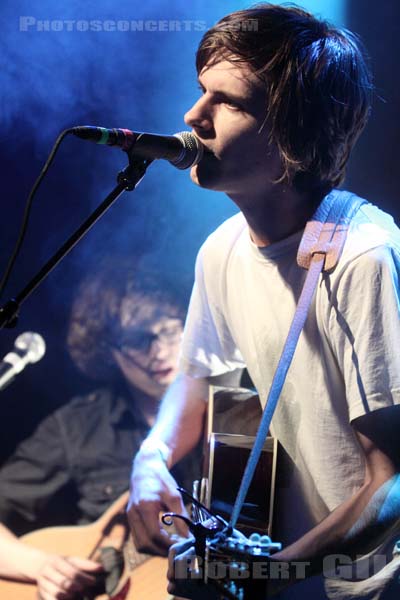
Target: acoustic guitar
pixel 138 576
pixel 134 576
pixel 233 418
pixel 232 422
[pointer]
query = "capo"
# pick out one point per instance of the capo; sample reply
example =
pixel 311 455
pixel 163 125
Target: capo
pixel 207 527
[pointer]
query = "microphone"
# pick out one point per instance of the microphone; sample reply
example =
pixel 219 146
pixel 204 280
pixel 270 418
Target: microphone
pixel 29 347
pixel 183 150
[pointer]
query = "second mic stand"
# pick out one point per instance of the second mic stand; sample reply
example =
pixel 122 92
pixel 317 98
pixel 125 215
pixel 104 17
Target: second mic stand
pixel 127 179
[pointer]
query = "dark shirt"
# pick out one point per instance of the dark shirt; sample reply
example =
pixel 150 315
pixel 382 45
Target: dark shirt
pixel 76 463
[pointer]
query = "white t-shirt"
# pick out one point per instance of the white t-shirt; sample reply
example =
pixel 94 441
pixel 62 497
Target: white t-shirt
pixel 347 361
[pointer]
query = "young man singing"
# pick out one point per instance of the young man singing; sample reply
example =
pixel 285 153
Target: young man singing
pixel 282 104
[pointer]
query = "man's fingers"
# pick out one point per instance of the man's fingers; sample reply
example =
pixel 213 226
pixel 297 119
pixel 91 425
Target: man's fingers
pixel 61 577
pixel 185 575
pixel 153 492
pixel 48 590
pixel 175 505
pixel 147 533
pixel 85 564
pixel 174 551
pixel 175 583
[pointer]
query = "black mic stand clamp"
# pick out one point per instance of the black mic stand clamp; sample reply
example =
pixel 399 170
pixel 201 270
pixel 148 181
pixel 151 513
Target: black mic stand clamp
pixel 132 175
pixel 127 179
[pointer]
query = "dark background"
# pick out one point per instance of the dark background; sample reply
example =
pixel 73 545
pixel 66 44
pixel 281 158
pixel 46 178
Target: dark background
pixel 51 80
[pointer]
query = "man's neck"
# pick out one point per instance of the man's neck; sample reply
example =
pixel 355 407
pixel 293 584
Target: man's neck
pixel 147 405
pixel 275 215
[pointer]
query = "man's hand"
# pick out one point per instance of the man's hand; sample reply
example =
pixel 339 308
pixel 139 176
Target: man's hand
pixel 153 490
pixel 61 578
pixel 186 576
pixel 184 579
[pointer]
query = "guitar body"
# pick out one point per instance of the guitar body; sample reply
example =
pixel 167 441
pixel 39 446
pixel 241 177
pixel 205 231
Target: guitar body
pixel 233 418
pixel 143 577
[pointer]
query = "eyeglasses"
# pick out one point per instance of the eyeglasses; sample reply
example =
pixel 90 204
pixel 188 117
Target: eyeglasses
pixel 141 341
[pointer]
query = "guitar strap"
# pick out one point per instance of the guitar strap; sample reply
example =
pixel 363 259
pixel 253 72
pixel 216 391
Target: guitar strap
pixel 319 251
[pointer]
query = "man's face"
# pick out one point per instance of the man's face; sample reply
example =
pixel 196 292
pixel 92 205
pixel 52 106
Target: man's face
pixel 148 347
pixel 229 119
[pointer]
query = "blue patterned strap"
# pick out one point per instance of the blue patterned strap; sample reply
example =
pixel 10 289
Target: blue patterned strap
pixel 320 249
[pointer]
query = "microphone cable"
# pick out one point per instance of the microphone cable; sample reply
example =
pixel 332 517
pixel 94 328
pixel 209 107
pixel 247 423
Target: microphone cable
pixel 27 211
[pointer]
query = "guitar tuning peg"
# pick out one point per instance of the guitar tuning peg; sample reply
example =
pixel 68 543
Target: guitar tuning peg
pixel 265 540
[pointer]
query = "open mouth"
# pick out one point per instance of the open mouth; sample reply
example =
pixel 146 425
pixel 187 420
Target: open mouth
pixel 161 374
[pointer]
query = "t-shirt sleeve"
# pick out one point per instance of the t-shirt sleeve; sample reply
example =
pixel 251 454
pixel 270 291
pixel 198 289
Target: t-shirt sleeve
pixel 32 477
pixel 364 329
pixel 208 348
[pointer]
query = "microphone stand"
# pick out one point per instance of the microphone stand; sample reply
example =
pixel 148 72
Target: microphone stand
pixel 127 179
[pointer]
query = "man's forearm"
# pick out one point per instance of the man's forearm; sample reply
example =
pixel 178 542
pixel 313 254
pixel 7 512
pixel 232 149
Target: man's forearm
pixel 179 423
pixel 17 560
pixel 352 528
pixel 342 532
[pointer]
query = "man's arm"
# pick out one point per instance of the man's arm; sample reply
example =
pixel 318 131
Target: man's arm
pixel 28 481
pixel 357 524
pixel 53 574
pixel 177 430
pixel 17 560
pixel 364 337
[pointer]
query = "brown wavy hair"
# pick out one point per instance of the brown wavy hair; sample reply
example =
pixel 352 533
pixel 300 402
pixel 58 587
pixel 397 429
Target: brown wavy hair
pixel 318 86
pixel 95 315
